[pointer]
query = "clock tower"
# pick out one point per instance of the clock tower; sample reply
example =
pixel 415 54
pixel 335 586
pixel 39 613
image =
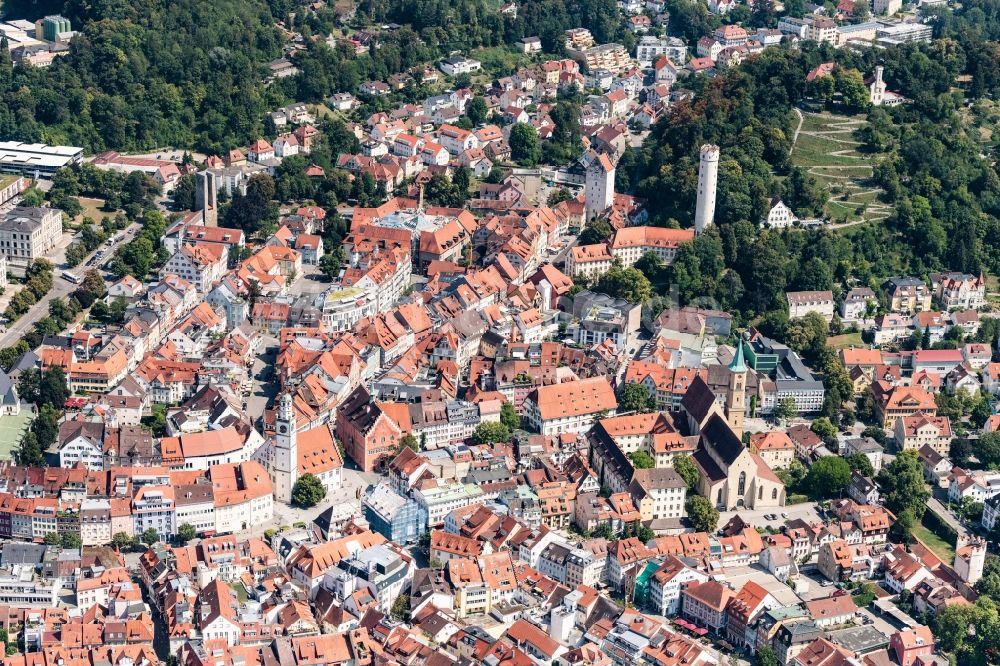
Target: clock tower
pixel 286 451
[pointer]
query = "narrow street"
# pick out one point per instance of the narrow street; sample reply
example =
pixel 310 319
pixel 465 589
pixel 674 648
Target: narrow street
pixel 935 505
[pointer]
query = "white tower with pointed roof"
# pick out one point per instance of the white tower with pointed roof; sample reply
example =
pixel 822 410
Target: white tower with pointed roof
pixel 285 466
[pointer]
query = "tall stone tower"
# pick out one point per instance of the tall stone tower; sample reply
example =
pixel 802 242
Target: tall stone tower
pixel 970 558
pixel 736 393
pixel 600 187
pixel 708 176
pixel 286 451
pixel 205 197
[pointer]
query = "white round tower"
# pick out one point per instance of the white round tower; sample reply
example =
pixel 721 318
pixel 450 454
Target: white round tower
pixel 708 176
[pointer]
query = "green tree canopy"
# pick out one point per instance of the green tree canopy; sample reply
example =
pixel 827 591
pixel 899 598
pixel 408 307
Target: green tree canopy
pixel 902 484
pixel 704 517
pixel 642 460
pixel 490 432
pixel 859 462
pixel 524 145
pixel 626 283
pixel 635 398
pixel 186 532
pixel 828 477
pixel 509 417
pixel 684 465
pixel 308 491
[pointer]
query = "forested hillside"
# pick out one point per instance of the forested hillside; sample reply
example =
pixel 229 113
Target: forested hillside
pixel 148 74
pixel 946 189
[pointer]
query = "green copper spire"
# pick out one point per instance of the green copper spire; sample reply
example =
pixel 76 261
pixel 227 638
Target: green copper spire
pixel 738 364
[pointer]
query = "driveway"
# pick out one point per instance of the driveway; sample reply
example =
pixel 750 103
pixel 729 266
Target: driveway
pixel 940 509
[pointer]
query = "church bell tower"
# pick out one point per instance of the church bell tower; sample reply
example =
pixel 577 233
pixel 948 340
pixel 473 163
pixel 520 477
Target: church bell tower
pixel 286 453
pixel 736 395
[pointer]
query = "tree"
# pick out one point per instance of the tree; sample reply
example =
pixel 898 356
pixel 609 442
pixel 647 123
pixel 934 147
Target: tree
pixel 408 441
pixel 604 531
pixel 828 477
pixel 766 656
pixel 461 179
pixel 332 262
pixel 851 85
pixel 52 539
pixel 11 648
pixel 703 516
pixel 75 254
pixel 254 292
pixel 877 433
pixel 52 389
pixel 901 530
pixel 826 430
pixel 785 410
pixel 477 110
pixel 642 460
pixel 184 193
pixel 556 197
pixel 524 146
pixel 149 537
pixel 864 595
pixel 595 231
pixel 308 491
pixel 122 541
pixel 509 417
pixel 987 449
pixel 401 608
pixel 626 283
pixel 491 432
pixel 27 385
pixel 902 484
pixel 969 632
pixel 32 197
pixel 70 540
pixel 860 463
pixel 256 209
pixel 186 532
pixel 29 452
pixel 635 398
pixel 684 465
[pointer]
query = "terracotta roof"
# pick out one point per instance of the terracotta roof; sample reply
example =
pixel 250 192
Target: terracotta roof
pixel 831 607
pixel 586 396
pixel 713 594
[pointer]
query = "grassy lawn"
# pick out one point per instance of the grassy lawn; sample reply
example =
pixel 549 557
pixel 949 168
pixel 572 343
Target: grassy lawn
pixel 11 430
pixel 842 175
pixel 839 209
pixel 839 342
pixel 823 122
pixel 817 151
pixel 827 150
pixel 241 592
pixel 863 196
pixel 92 209
pixel 941 548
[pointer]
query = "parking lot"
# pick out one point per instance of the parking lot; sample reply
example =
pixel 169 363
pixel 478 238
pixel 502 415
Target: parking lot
pixel 805 511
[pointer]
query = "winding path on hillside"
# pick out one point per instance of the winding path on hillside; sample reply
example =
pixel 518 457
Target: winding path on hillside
pixel 860 194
